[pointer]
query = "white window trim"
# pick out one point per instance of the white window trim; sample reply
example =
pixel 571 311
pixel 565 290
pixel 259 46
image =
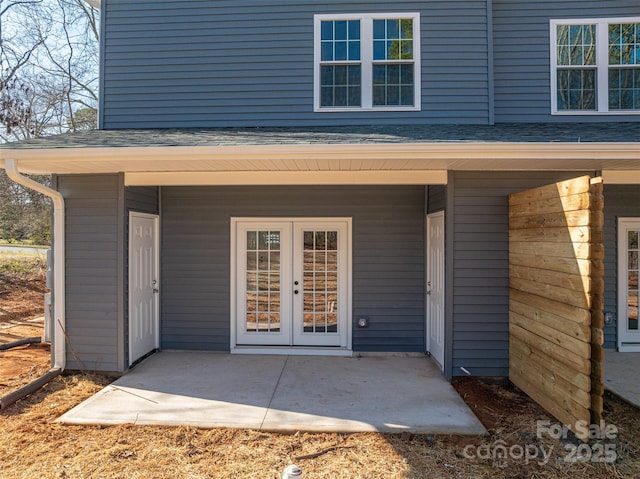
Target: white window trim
pixel 366 60
pixel 602 64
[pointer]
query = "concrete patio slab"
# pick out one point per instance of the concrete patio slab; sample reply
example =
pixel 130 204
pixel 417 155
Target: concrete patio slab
pixel 282 394
pixel 622 375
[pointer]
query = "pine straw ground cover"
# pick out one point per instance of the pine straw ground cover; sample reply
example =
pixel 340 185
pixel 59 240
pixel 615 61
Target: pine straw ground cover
pixel 33 446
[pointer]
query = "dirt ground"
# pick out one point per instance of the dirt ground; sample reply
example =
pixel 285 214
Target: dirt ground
pixel 21 316
pixel 32 445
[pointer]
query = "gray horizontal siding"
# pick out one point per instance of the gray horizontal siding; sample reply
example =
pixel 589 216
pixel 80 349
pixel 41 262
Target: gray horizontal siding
pixel 94 271
pixel 479 298
pixel 388 258
pixel 621 201
pixel 436 196
pixel 250 63
pixel 142 198
pixel 521 54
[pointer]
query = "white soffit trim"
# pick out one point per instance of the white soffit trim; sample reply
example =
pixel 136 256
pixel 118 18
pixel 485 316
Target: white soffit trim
pixel 387 177
pixel 621 177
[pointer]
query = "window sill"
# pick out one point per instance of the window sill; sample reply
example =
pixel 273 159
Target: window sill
pixel 595 113
pixel 352 110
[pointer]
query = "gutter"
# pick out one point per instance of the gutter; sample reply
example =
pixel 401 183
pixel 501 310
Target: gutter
pixel 58 289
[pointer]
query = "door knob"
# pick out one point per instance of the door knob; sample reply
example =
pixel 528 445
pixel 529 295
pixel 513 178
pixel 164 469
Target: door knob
pixel 295 291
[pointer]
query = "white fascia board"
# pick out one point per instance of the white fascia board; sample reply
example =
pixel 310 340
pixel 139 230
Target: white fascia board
pixel 530 156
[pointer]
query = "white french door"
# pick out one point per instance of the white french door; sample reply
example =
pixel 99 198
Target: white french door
pixel 291 282
pixel 628 287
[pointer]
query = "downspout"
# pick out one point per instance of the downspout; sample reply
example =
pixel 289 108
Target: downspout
pixel 59 340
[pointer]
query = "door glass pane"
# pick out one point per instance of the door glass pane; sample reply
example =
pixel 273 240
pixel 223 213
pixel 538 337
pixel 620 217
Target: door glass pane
pixel 263 322
pixel 633 311
pixel 632 280
pixel 251 240
pixel 274 322
pixel 320 281
pixel 263 240
pixel 252 281
pixel 251 260
pixel 263 281
pixel 332 240
pixel 332 323
pixel 308 261
pixel 332 261
pixel 320 261
pixel 274 282
pixel 274 259
pixel 263 302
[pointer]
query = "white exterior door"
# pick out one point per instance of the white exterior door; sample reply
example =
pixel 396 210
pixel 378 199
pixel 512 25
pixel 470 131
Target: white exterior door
pixel 292 282
pixel 628 291
pixel 144 321
pixel 435 287
pixel 263 283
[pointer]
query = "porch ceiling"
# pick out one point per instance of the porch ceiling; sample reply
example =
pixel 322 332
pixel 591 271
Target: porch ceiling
pixel 360 154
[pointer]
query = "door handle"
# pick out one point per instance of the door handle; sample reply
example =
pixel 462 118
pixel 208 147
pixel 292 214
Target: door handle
pixel 156 290
pixel 295 291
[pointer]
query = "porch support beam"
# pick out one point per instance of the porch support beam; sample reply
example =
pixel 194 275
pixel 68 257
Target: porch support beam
pixel 250 178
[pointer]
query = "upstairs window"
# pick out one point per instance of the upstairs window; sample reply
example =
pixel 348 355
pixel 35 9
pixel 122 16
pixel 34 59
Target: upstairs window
pixel 367 62
pixel 595 66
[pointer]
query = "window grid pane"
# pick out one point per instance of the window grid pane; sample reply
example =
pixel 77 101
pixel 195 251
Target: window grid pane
pixel 393 84
pixel 393 39
pixel 624 73
pixel 263 281
pixel 340 40
pixel 576 45
pixel 340 85
pixel 576 89
pixel 624 88
pixel 624 44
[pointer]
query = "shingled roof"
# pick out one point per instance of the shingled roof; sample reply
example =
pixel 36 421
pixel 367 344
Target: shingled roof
pixel 386 134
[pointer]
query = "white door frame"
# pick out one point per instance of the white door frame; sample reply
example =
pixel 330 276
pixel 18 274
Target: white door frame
pixel 344 349
pixel 436 353
pixel 628 341
pixel 154 287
